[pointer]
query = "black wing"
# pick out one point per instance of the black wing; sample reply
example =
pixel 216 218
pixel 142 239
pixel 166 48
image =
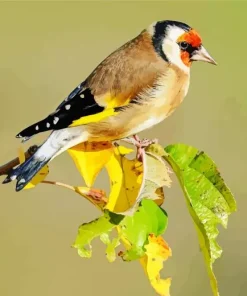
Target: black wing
pixel 77 91
pixel 80 103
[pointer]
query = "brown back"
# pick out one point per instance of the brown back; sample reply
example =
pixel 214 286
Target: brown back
pixel 127 71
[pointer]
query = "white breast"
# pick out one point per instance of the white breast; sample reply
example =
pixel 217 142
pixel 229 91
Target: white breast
pixel 170 89
pixel 146 124
pixel 162 99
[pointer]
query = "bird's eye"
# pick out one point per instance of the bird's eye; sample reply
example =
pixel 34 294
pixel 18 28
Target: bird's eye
pixel 184 45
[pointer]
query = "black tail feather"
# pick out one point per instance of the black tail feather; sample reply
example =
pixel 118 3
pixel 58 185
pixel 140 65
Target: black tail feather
pixel 6 180
pixel 28 171
pixel 32 130
pixel 25 172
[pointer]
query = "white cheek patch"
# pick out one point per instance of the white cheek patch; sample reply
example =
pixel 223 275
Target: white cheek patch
pixel 171 48
pixel 172 51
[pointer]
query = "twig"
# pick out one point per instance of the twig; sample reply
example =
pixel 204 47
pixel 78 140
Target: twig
pixel 6 168
pixel 95 196
pixel 59 184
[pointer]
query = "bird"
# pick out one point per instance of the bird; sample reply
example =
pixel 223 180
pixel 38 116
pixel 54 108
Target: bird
pixel 133 89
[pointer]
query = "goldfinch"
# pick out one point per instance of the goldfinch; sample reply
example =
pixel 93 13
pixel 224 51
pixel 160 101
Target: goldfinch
pixel 133 89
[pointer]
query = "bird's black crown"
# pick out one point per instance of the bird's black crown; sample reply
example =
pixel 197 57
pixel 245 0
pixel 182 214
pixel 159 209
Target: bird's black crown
pixel 160 29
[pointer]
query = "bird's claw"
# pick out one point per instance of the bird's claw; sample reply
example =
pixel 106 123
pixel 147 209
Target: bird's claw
pixel 144 142
pixel 140 144
pixel 31 150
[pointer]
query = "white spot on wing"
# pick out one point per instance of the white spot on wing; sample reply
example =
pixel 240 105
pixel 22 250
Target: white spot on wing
pixel 22 181
pixel 67 107
pixel 82 96
pixel 37 127
pixel 48 124
pixel 56 119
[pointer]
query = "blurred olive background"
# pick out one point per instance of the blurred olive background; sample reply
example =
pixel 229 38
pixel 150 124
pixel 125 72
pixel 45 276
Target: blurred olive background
pixel 46 50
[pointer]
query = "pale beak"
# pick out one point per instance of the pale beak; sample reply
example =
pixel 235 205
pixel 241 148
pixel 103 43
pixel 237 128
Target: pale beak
pixel 202 55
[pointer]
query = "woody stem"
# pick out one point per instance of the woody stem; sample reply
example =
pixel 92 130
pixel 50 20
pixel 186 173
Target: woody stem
pixel 4 169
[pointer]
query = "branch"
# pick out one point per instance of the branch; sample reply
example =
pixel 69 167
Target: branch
pixel 95 196
pixel 6 168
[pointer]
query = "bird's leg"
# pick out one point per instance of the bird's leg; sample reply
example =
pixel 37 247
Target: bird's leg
pixel 140 144
pixel 144 142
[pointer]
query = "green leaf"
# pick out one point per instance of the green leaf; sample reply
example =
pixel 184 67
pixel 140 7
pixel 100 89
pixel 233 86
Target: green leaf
pixel 209 200
pixel 149 218
pixel 111 246
pixel 88 231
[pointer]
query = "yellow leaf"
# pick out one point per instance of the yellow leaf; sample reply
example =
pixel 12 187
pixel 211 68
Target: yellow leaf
pixel 39 177
pixel 126 180
pixel 21 155
pixel 157 251
pixel 90 158
pixel 160 196
pixel 131 180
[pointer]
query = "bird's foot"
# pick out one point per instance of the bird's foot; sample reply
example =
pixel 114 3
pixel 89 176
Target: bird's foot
pixel 140 144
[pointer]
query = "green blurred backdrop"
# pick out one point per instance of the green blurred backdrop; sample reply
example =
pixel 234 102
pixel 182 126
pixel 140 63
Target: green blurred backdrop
pixel 46 50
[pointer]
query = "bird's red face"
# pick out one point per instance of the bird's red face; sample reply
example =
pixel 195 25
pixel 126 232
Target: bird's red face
pixel 192 37
pixel 189 42
pixel 191 48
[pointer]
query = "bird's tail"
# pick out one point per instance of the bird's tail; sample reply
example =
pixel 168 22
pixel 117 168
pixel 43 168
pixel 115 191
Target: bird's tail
pixel 25 172
pixel 58 142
